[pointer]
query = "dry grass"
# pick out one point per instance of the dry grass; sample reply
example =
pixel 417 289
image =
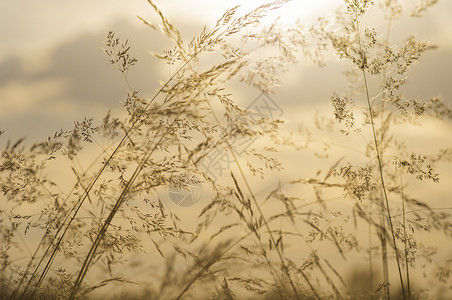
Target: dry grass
pixel 244 245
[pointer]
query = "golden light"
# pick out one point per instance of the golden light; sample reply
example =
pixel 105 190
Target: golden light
pixel 212 10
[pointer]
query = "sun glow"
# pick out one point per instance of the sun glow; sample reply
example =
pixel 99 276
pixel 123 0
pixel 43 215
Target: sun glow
pixel 289 12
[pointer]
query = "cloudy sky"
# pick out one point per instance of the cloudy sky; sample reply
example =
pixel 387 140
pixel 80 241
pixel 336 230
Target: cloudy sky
pixel 52 69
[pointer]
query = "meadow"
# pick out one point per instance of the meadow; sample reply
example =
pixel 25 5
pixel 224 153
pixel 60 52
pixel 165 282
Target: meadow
pixel 195 193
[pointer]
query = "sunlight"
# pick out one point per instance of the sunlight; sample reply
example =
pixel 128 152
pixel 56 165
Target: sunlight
pixel 298 9
pixel 291 11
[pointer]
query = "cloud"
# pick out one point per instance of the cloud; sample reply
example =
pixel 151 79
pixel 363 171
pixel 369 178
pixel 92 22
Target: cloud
pixel 37 24
pixel 19 97
pixel 75 79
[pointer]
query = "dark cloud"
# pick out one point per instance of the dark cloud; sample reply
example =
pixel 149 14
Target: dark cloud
pixel 432 76
pixel 10 69
pixel 90 83
pixel 84 65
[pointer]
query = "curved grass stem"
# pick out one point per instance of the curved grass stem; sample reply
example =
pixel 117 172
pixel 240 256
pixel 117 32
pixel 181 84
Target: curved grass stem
pixel 264 219
pixel 383 186
pixel 379 159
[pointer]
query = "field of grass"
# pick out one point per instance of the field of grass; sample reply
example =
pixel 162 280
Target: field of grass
pixel 333 208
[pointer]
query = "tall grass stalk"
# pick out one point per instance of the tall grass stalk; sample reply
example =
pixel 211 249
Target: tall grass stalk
pixel 126 136
pixel 264 219
pixel 379 157
pixel 405 238
pixel 380 168
pixel 153 146
pixel 370 257
pixel 151 149
pixel 74 211
pixel 376 58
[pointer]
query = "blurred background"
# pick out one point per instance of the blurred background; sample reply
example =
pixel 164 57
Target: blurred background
pixel 53 70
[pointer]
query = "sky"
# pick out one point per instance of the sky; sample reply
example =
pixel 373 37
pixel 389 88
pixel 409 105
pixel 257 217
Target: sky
pixel 53 71
pixel 51 48
pixel 52 68
pixel 49 22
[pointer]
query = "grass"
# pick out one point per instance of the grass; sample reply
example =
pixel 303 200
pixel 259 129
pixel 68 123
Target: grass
pixel 245 245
